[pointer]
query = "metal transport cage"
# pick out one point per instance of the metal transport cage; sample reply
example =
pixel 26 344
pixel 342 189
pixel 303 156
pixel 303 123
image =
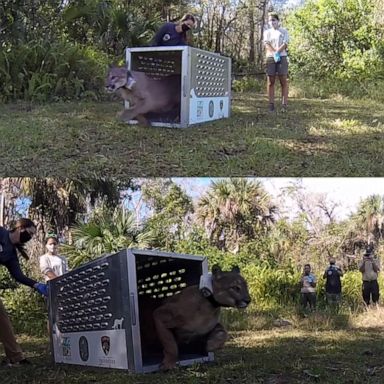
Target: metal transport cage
pixel 205 82
pixel 100 313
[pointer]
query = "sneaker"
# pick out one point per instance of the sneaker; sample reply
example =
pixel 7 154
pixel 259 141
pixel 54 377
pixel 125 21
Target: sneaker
pixel 271 107
pixel 284 108
pixel 7 363
pixel 21 362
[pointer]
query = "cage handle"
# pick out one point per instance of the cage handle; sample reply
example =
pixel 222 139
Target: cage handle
pixel 185 86
pixel 133 309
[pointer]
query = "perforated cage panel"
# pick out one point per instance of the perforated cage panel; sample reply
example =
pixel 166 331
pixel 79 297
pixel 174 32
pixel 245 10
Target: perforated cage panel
pixel 205 82
pixel 209 74
pixel 101 313
pixel 157 64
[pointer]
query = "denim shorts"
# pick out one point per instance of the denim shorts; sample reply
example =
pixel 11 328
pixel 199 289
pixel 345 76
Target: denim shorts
pixel 280 68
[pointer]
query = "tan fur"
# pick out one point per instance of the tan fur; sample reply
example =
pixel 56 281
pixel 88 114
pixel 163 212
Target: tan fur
pixel 143 93
pixel 189 314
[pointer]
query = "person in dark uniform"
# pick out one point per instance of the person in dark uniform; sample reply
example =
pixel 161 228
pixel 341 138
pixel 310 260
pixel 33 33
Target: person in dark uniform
pixel 171 34
pixel 11 243
pixel 333 275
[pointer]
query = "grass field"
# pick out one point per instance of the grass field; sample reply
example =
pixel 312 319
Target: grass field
pixel 322 348
pixel 329 137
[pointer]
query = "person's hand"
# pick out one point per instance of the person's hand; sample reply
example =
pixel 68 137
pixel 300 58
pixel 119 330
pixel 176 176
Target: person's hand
pixel 42 289
pixel 276 57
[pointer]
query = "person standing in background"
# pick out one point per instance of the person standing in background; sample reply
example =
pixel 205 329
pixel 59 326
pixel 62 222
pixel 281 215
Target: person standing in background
pixel 51 263
pixel 308 288
pixel 369 267
pixel 276 43
pixel 333 282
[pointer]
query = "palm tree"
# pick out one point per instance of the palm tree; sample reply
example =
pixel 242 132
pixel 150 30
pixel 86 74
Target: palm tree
pixel 370 217
pixel 235 210
pixel 57 204
pixel 105 233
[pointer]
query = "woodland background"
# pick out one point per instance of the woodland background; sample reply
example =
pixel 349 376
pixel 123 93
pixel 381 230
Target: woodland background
pixel 235 222
pixel 59 50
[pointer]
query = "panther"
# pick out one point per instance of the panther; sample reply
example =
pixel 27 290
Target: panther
pixel 190 314
pixel 144 94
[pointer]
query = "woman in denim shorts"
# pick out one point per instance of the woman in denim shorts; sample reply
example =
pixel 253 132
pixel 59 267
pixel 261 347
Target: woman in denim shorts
pixel 276 43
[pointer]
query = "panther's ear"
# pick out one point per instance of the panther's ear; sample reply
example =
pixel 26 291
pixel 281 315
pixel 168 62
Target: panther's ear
pixel 216 270
pixel 236 269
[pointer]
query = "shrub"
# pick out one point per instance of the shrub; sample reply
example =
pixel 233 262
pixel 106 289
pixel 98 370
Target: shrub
pixel 41 71
pixel 247 83
pixel 26 310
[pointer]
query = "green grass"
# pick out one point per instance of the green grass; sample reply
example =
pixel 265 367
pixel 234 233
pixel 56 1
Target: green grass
pixel 317 137
pixel 322 348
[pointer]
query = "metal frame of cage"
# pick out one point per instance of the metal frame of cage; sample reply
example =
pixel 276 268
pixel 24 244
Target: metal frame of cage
pixel 205 80
pixel 95 310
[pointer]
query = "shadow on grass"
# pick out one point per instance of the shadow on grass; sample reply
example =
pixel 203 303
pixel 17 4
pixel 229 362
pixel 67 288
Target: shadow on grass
pixel 314 138
pixel 269 356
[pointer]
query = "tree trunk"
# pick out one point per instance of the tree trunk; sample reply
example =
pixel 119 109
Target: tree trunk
pixel 251 20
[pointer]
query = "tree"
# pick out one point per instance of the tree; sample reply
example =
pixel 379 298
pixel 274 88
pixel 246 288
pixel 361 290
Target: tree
pixel 57 204
pixel 370 218
pixel 234 211
pixel 108 230
pixel 337 39
pixel 171 210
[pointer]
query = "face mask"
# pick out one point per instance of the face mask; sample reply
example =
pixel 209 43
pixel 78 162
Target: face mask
pixel 24 237
pixel 185 27
pixel 274 23
pixel 51 247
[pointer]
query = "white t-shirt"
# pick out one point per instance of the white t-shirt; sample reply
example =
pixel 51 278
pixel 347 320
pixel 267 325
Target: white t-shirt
pixel 276 38
pixel 53 263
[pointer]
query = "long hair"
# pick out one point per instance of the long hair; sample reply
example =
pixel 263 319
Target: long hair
pixel 188 16
pixel 22 223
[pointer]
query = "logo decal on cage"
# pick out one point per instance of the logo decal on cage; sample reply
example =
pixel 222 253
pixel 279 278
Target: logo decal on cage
pixel 166 37
pixel 118 323
pixel 211 109
pixel 66 345
pixel 221 105
pixel 105 344
pixel 83 348
pixel 200 109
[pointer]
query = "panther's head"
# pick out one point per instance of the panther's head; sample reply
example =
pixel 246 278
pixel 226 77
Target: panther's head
pixel 119 77
pixel 229 288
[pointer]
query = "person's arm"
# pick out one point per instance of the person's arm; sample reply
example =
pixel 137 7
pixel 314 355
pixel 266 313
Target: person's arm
pixel 284 46
pixel 313 282
pixel 269 46
pixel 362 266
pixel 14 269
pixel 156 41
pixel 375 266
pixel 267 42
pixel 339 271
pixel 325 274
